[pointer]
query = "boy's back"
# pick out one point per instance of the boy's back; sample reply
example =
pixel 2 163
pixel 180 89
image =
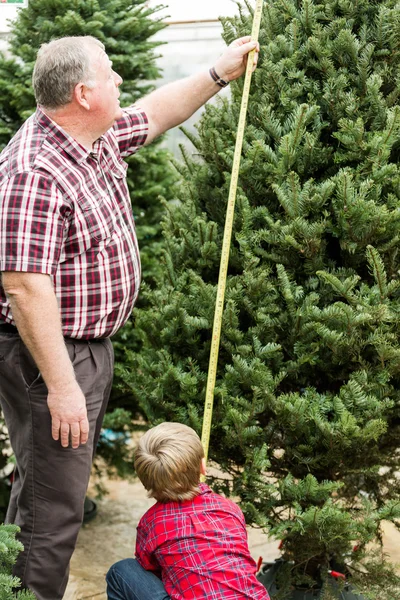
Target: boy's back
pixel 199 548
pixel 192 544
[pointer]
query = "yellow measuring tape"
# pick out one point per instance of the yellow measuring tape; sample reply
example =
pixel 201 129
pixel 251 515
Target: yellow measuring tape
pixel 223 270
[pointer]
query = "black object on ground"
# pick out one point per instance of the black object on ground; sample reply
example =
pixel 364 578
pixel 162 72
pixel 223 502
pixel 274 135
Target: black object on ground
pixel 89 510
pixel 268 575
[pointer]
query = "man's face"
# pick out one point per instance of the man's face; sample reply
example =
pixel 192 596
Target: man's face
pixel 103 97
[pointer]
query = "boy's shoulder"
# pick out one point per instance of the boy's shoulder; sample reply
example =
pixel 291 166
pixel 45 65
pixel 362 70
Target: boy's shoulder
pixel 206 500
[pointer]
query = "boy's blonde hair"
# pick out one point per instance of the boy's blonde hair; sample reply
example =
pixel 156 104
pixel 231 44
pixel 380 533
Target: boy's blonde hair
pixel 167 461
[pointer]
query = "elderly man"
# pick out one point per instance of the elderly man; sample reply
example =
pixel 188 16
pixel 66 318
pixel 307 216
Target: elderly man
pixel 70 277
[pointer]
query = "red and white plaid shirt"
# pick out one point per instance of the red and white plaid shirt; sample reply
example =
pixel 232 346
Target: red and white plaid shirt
pixel 66 212
pixel 199 548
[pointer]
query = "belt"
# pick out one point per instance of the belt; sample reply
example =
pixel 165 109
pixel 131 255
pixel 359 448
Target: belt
pixel 83 340
pixel 8 328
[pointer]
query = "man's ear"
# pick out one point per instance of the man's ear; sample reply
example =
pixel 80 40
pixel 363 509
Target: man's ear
pixel 203 467
pixel 81 95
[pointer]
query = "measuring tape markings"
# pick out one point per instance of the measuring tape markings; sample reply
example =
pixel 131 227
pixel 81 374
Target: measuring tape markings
pixel 223 271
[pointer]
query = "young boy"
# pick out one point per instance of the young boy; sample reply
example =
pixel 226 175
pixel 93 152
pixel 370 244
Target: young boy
pixel 191 544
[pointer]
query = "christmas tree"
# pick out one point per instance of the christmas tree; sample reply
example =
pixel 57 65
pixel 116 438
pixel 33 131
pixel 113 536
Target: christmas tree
pixel 9 550
pixel 306 424
pixel 125 27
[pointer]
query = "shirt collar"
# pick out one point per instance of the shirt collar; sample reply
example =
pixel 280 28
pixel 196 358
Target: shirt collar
pixel 204 489
pixel 62 139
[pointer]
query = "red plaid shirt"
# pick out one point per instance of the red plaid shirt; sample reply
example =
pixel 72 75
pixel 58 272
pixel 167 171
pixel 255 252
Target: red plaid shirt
pixel 66 212
pixel 199 548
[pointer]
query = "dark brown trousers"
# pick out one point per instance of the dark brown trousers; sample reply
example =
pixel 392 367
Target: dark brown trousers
pixel 50 481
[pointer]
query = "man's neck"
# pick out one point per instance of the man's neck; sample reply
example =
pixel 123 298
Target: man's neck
pixel 75 125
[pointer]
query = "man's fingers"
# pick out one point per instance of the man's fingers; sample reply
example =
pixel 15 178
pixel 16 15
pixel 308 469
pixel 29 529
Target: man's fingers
pixel 255 60
pixel 242 40
pixel 55 429
pixel 84 426
pixel 64 435
pixel 248 47
pixel 75 435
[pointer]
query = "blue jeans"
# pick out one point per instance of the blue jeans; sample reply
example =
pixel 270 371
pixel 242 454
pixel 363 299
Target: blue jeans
pixel 127 580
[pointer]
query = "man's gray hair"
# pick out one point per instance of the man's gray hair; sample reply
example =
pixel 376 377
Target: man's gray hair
pixel 60 66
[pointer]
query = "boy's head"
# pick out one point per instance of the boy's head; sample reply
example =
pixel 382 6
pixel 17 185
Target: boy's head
pixel 169 460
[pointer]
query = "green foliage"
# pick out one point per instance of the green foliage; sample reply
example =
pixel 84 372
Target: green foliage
pixel 125 27
pixel 307 406
pixel 377 570
pixel 4 460
pixel 10 547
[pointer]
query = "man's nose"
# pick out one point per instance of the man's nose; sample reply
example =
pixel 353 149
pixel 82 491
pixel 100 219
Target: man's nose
pixel 118 79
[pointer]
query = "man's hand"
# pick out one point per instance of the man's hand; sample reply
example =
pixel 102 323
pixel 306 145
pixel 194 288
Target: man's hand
pixel 232 63
pixel 69 416
pixel 171 104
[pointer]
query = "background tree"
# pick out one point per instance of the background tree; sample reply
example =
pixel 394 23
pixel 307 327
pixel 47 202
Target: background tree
pixel 306 418
pixel 126 28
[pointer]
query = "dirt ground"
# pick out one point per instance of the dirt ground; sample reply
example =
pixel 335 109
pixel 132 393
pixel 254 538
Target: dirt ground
pixel 111 537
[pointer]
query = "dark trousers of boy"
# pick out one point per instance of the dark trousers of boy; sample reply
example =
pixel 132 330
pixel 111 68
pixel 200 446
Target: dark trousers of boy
pixel 127 580
pixel 50 481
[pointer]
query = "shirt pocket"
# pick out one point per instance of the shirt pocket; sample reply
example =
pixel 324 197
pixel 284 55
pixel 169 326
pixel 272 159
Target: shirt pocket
pixel 118 167
pixel 92 223
pixel 97 210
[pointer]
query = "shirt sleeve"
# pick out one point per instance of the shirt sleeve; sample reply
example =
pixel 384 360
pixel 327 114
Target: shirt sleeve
pixel 31 224
pixel 131 130
pixel 243 523
pixel 238 516
pixel 145 558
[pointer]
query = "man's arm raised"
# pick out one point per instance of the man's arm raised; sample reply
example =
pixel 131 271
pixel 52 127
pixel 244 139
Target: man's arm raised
pixel 36 314
pixel 174 103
